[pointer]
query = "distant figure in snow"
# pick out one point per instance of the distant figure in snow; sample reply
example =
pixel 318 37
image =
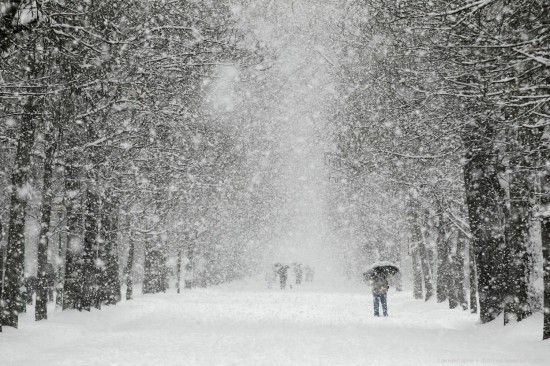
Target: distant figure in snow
pixel 298 273
pixel 283 274
pixel 380 288
pixel 307 270
pixel 310 271
pixel 271 276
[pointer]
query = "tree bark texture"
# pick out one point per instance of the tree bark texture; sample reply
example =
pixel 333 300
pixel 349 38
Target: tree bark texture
pixel 458 270
pixel 518 222
pixel 89 280
pixel 484 200
pixel 545 236
pixel 10 297
pixel 73 265
pixel 154 268
pixel 473 279
pixel 416 239
pixel 545 233
pixel 45 220
pixel 110 279
pixel 128 269
pixel 443 265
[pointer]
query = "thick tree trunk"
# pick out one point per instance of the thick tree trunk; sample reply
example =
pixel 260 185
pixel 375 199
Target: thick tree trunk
pixel 42 289
pixel 109 226
pixel 128 269
pixel 73 265
pixel 148 271
pixel 545 233
pixel 416 239
pixel 10 297
pixel 443 265
pixel 545 236
pixel 90 254
pixel 426 272
pixel 154 268
pixel 60 274
pixel 518 259
pixel 425 260
pixel 518 221
pixel 2 254
pixel 484 201
pixel 458 270
pixel 473 279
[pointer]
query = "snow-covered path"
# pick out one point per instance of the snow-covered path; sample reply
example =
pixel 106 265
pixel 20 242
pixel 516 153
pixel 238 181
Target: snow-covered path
pixel 245 324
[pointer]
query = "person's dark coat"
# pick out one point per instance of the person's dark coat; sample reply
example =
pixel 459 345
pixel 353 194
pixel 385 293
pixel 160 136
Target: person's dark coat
pixel 380 285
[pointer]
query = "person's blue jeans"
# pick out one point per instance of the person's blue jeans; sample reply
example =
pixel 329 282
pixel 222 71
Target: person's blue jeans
pixel 377 299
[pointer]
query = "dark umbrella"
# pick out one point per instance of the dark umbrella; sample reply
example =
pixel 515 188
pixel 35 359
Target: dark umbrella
pixel 383 268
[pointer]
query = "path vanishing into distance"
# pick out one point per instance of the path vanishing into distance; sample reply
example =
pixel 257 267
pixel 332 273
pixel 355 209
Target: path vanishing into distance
pixel 321 323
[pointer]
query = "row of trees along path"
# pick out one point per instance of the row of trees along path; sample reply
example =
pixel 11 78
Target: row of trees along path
pixel 445 104
pixel 93 95
pixel 448 106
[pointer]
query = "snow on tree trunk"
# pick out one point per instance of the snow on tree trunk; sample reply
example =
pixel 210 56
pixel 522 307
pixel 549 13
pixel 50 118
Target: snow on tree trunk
pixel 89 280
pixel 443 265
pixel 73 267
pixel 545 237
pixel 110 281
pixel 154 277
pixel 416 239
pixel 518 222
pixel 473 279
pixel 484 200
pixel 128 269
pixel 10 296
pixel 458 270
pixel 2 253
pixel 45 220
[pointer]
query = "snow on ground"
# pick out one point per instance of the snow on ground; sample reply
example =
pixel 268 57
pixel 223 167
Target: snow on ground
pixel 246 324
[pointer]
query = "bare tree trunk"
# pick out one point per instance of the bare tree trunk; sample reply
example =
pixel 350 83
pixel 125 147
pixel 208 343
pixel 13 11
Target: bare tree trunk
pixel 417 276
pixel 10 297
pixel 42 288
pixel 178 272
pixel 109 219
pixel 154 267
pixel 416 239
pixel 458 270
pixel 545 236
pixel 426 273
pixel 73 267
pixel 60 270
pixel 524 156
pixel 2 254
pixel 473 280
pixel 89 292
pixel 128 269
pixel 545 233
pixel 425 261
pixel 484 200
pixel 443 266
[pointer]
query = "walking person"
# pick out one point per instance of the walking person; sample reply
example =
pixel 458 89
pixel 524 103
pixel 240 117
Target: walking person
pixel 283 274
pixel 380 288
pixel 299 273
